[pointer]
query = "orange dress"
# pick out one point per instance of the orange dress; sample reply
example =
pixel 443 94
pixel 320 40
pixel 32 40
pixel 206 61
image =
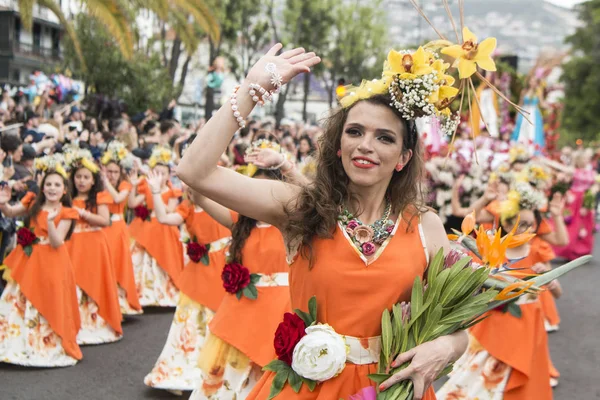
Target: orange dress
pixel 157 254
pixel 352 293
pixel 202 283
pixel 95 276
pixel 47 280
pixel 118 239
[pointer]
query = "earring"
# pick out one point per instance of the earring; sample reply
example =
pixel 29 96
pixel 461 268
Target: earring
pixel 399 167
pixel 339 153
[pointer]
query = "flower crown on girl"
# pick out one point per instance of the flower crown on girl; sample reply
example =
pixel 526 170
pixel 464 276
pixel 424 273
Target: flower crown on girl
pixel 518 153
pixel 118 153
pixel 76 158
pixel 160 155
pixel 418 81
pixel 522 197
pixel 51 163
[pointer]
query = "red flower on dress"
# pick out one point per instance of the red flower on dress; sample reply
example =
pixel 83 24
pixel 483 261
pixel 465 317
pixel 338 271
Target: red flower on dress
pixel 142 213
pixel 197 252
pixel 235 277
pixel 287 336
pixel 26 238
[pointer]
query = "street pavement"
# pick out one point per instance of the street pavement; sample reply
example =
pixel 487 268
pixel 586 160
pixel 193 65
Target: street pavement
pixel 116 371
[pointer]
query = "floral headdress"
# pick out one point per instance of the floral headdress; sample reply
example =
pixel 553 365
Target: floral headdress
pixel 160 155
pixel 53 162
pixel 263 144
pixel 503 173
pixel 76 157
pixel 118 153
pixel 418 81
pixel 536 175
pixel 522 197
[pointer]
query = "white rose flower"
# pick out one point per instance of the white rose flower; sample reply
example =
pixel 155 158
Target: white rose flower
pixel 320 355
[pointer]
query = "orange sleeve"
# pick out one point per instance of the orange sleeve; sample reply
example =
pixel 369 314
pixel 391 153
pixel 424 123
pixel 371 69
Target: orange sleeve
pixel 124 185
pixel 28 199
pixel 176 193
pixel 104 198
pixel 544 228
pixel 143 187
pixel 185 209
pixel 544 251
pixel 234 216
pixel 69 213
pixel 493 208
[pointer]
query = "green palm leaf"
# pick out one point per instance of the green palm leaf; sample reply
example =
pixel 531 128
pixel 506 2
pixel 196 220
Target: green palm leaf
pixel 114 17
pixel 199 10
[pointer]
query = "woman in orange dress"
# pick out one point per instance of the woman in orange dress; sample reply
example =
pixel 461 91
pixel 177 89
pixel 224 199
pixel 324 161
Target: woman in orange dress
pixel 88 248
pixel 114 161
pixel 370 165
pixel 508 357
pixel 39 314
pixel 200 282
pixel 156 252
pixel 240 342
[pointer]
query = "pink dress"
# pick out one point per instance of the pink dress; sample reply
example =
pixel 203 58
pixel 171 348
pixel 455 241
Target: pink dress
pixel 580 220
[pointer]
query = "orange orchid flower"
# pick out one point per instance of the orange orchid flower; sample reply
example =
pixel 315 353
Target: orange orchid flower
pixel 468 224
pixel 509 292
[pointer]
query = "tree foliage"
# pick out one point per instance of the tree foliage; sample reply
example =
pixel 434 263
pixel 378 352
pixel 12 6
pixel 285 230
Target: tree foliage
pixel 581 76
pixel 140 82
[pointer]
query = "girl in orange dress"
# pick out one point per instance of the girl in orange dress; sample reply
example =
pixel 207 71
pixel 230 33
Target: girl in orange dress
pixel 114 161
pixel 88 248
pixel 370 165
pixel 157 253
pixel 201 290
pixel 508 357
pixel 39 315
pixel 240 342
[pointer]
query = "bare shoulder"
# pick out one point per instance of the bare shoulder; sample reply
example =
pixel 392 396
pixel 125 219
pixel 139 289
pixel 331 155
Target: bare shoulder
pixel 431 222
pixel 435 234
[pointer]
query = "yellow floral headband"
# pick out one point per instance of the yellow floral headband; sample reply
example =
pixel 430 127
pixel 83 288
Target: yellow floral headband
pixel 160 155
pixel 77 158
pixel 50 163
pixel 116 152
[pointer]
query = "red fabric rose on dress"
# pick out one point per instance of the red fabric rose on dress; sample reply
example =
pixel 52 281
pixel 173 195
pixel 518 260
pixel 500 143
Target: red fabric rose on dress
pixel 196 251
pixel 235 277
pixel 287 336
pixel 25 237
pixel 142 213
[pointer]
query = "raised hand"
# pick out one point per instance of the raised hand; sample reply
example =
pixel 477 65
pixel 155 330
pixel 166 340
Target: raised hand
pixel 557 205
pixel 491 191
pixel 134 178
pixel 155 182
pixel 53 214
pixel 265 158
pixel 288 64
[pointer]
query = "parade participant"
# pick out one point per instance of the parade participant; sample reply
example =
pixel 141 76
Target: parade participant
pixel 88 248
pixel 369 166
pixel 508 354
pixel 157 252
pixel 39 314
pixel 200 283
pixel 115 161
pixel 232 359
pixel 531 135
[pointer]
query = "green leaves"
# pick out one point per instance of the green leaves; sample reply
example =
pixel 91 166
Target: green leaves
pixel 28 250
pixel 250 291
pixel 311 317
pixel 205 259
pixel 387 336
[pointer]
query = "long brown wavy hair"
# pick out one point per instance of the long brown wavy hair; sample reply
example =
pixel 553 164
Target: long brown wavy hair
pixel 243 227
pixel 314 213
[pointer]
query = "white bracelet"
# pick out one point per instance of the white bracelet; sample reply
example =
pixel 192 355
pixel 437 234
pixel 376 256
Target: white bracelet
pixel 259 94
pixel 280 164
pixel 236 114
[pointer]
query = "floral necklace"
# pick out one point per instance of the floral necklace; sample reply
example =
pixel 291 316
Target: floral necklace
pixel 365 237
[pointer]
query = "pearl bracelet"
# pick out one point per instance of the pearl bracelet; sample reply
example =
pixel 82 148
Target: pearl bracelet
pixel 259 94
pixel 236 114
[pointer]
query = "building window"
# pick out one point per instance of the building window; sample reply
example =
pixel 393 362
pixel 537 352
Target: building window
pixel 37 36
pixel 16 75
pixel 17 30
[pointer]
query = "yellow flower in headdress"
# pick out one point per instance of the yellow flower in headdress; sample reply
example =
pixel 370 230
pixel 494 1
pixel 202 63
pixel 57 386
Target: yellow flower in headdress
pixel 471 54
pixel 165 155
pixel 89 164
pixel 409 66
pixel 518 153
pixel 364 91
pixel 122 153
pixel 105 158
pixel 61 171
pixel 510 207
pixel 160 155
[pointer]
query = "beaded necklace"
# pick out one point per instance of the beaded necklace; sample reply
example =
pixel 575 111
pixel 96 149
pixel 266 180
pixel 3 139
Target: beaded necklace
pixel 365 237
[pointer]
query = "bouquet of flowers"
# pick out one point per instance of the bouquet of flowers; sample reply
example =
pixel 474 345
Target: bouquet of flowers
pixel 455 295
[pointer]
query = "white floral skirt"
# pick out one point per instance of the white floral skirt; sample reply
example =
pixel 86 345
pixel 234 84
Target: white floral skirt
pixel 26 337
pixel 94 329
pixel 227 374
pixel 476 376
pixel 126 309
pixel 177 366
pixel 154 286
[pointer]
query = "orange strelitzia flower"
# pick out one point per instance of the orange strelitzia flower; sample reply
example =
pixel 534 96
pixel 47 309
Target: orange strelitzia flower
pixel 510 293
pixel 520 240
pixel 468 224
pixel 493 249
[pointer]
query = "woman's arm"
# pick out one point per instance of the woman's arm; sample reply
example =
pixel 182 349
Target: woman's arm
pixel 559 236
pixel 219 213
pixel 172 205
pixel 263 200
pixel 163 215
pixel 6 209
pixel 134 199
pixel 118 197
pixel 269 158
pixel 435 234
pixel 101 218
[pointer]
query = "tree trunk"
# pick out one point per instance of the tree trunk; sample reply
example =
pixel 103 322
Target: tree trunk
pixel 184 71
pixel 163 46
pixel 280 106
pixel 330 90
pixel 305 97
pixel 174 62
